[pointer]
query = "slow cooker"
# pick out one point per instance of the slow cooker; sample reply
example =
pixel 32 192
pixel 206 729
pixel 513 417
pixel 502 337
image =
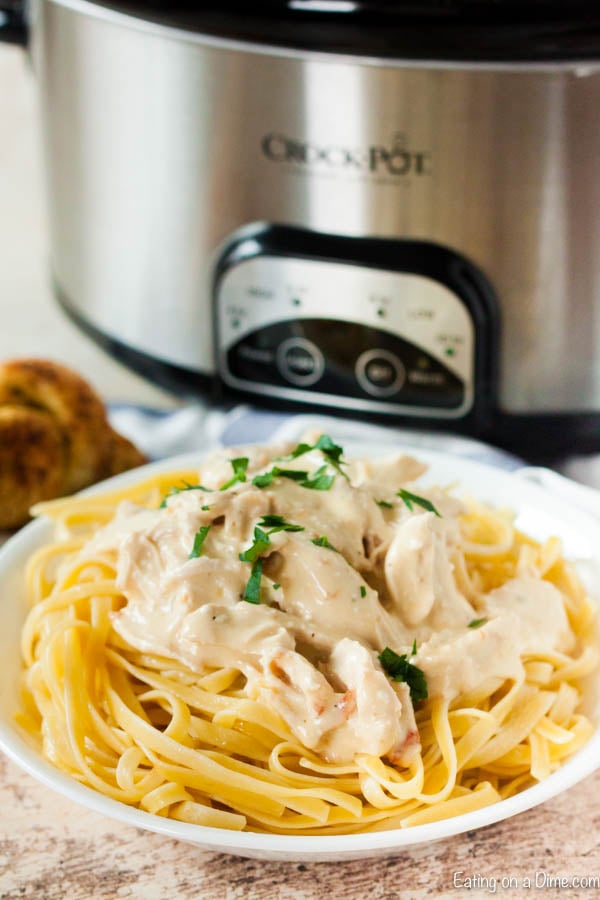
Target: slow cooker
pixel 380 207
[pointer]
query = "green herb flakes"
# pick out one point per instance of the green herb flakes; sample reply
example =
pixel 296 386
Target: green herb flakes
pixel 267 478
pixel 400 669
pixel 477 623
pixel 330 450
pixel 179 490
pixel 257 548
pixel 264 480
pixel 278 523
pixel 239 466
pixel 324 542
pixel 252 589
pixel 199 539
pixel 300 450
pixel 410 499
pixel 321 481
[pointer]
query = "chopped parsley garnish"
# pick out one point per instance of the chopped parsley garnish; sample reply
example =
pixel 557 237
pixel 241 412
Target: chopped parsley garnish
pixel 323 542
pixel 400 669
pixel 252 589
pixel 363 591
pixel 330 450
pixel 239 466
pixel 278 523
pixel 291 474
pixel 333 453
pixel 410 499
pixel 204 508
pixel 179 490
pixel 320 482
pixel 385 504
pixel 276 586
pixel 258 547
pixel 199 539
pixel 413 652
pixel 266 478
pixel 300 450
pixel 253 553
pixel 477 623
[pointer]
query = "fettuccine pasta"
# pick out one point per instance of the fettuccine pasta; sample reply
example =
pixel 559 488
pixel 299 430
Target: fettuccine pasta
pixel 169 663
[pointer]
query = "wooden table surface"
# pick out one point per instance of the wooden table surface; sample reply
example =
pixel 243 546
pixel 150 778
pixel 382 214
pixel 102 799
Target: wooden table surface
pixel 52 849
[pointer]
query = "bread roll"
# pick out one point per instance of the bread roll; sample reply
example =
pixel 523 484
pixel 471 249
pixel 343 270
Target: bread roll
pixel 31 462
pixel 54 437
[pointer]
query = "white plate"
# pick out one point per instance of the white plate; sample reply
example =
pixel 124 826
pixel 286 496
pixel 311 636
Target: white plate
pixel 541 513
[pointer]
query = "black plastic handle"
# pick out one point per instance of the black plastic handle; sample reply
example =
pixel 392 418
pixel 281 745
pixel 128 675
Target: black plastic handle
pixel 13 27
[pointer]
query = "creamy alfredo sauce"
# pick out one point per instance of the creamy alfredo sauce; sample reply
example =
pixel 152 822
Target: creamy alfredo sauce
pixel 310 647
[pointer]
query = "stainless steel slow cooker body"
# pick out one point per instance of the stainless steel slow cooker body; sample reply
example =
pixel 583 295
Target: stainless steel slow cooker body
pixel 411 238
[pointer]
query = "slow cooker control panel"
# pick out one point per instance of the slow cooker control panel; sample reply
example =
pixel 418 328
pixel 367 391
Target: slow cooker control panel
pixel 346 335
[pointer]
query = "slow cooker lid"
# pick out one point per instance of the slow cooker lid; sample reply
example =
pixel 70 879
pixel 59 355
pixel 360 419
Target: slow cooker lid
pixel 461 30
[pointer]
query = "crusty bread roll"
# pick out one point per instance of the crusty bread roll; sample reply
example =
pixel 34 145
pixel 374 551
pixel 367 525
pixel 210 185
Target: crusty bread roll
pixel 54 437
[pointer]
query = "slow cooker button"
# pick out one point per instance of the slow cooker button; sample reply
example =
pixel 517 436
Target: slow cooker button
pixel 380 373
pixel 300 361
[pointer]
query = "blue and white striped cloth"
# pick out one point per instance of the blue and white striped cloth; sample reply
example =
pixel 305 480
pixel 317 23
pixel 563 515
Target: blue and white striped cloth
pixel 161 434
